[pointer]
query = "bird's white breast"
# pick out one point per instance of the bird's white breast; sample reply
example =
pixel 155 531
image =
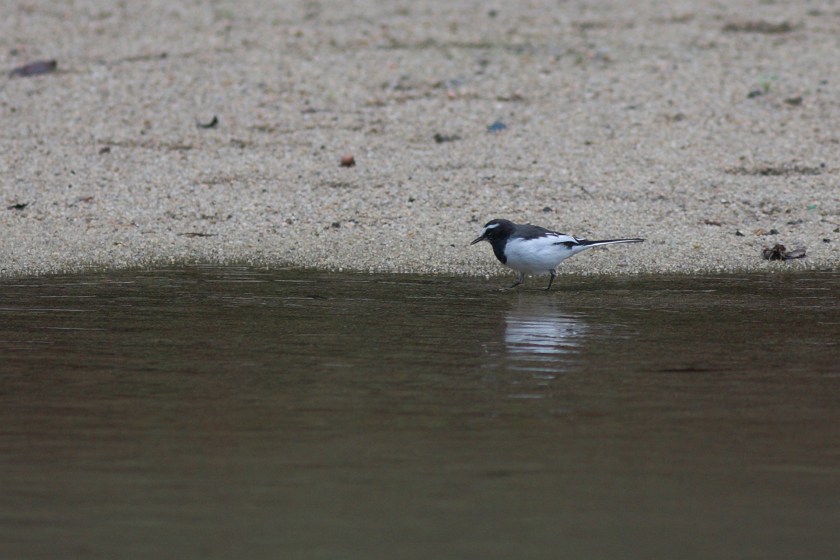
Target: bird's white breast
pixel 539 255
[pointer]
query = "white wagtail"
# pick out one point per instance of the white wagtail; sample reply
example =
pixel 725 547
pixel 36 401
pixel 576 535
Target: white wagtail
pixel 533 249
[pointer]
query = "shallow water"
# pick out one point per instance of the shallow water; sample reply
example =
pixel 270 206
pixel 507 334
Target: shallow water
pixel 239 413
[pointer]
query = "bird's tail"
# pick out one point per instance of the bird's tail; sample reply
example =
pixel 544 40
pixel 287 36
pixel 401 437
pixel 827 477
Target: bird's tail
pixel 587 243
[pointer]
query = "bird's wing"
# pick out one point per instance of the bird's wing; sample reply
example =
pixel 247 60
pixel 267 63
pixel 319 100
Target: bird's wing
pixel 562 238
pixel 530 231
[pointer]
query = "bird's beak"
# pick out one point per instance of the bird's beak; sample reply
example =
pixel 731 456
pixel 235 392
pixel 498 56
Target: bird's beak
pixel 477 239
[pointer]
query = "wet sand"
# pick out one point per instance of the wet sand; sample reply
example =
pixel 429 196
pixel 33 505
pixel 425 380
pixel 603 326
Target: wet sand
pixel 711 131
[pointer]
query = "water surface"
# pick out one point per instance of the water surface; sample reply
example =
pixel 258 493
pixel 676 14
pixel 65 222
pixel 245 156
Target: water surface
pixel 239 413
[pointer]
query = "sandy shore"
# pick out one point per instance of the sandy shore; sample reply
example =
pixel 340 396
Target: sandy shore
pixel 710 130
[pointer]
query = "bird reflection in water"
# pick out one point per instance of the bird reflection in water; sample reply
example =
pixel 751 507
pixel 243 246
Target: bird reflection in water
pixel 542 340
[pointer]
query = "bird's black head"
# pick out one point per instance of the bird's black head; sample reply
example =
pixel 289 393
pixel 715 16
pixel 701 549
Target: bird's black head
pixel 495 230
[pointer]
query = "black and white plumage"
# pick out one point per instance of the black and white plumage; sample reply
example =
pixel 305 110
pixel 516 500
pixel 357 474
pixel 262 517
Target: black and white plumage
pixel 530 249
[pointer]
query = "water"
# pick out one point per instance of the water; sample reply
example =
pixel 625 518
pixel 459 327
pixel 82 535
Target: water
pixel 241 413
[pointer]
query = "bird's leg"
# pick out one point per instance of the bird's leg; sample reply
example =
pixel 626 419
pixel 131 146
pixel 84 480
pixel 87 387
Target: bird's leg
pixel 550 280
pixel 520 277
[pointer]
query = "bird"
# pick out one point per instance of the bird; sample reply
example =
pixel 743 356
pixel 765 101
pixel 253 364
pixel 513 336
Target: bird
pixel 530 249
